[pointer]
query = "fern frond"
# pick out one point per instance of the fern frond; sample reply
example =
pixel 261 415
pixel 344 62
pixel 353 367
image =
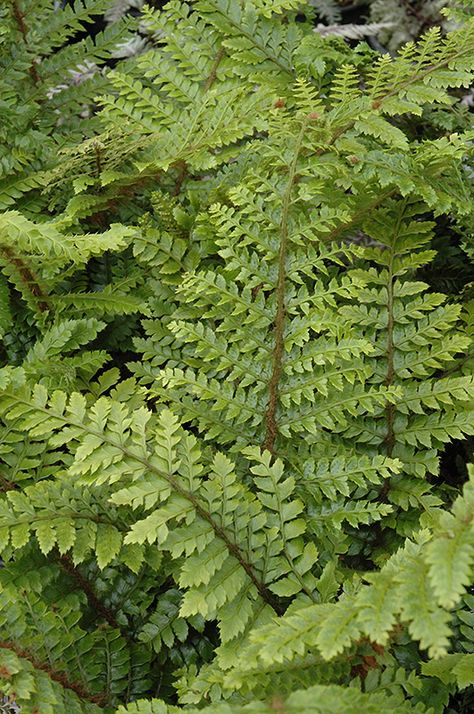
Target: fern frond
pixel 316 700
pixel 403 589
pixel 164 486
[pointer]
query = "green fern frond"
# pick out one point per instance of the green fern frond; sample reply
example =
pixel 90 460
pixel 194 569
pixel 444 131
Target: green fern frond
pixel 407 589
pixel 316 700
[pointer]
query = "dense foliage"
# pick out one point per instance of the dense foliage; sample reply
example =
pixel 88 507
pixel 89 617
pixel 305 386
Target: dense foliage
pixel 236 393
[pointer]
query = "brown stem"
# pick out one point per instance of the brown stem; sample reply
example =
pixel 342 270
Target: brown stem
pixel 279 325
pixel 56 676
pixel 213 73
pixel 27 277
pixel 390 410
pixel 182 165
pixel 278 705
pixel 6 485
pixel 96 605
pixel 183 171
pixel 129 190
pixel 390 350
pixel 234 550
pixel 20 21
pixel 98 159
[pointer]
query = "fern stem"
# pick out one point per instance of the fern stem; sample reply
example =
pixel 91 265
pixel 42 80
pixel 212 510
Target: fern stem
pixel 77 654
pixel 182 164
pixel 53 674
pixel 27 277
pixel 213 73
pixel 183 171
pixel 390 349
pixel 6 485
pixel 108 668
pixel 98 159
pixel 287 550
pixel 20 21
pixel 390 410
pixel 235 551
pixel 86 586
pixel 271 427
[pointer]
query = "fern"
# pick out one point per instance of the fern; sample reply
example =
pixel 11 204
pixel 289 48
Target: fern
pixel 230 388
pixel 414 585
pixel 44 88
pixel 318 699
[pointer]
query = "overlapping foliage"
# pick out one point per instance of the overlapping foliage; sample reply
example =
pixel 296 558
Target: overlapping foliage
pixel 229 379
